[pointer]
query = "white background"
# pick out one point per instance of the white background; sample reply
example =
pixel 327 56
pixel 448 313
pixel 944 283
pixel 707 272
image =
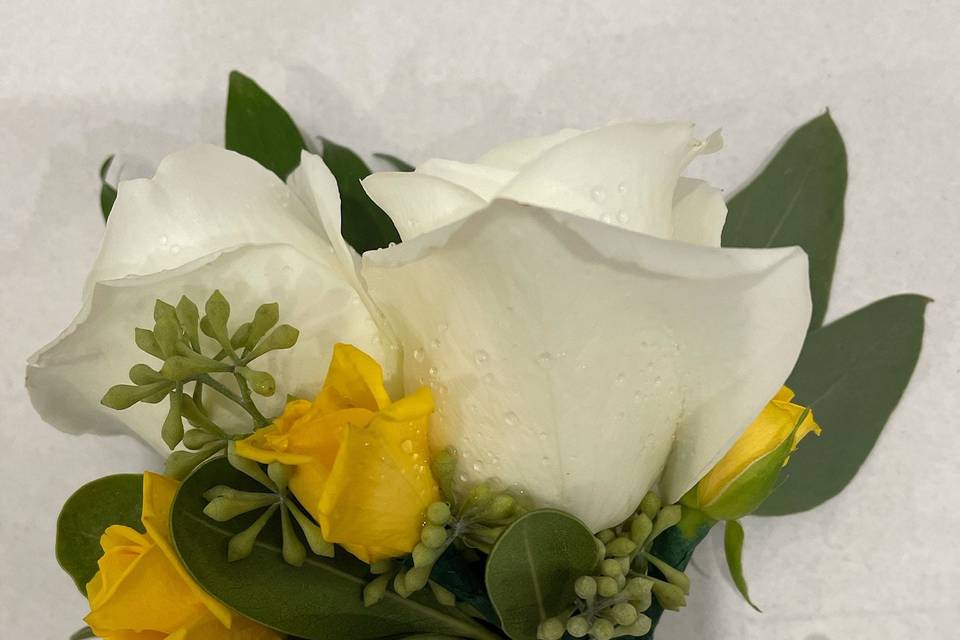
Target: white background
pixel 79 81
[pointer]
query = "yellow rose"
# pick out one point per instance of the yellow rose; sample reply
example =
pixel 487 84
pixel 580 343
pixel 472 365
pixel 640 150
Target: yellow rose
pixel 142 592
pixel 747 473
pixel 361 462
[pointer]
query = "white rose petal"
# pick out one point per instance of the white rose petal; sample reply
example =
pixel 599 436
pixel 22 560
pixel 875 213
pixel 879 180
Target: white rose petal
pixel 209 219
pixel 578 360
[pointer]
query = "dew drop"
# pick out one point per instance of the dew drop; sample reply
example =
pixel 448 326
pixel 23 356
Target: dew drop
pixel 620 379
pixel 622 188
pixel 489 379
pixel 543 436
pixel 481 356
pixel 605 218
pixel 435 343
pixel 442 327
pixel 407 446
pixel 598 194
pixel 511 419
pixel 658 381
pixel 463 477
pixel 164 240
pixel 477 467
pixel 432 372
pixel 622 217
pixel 174 249
pixel 545 360
pixel 418 355
pixel 441 388
pixel 545 461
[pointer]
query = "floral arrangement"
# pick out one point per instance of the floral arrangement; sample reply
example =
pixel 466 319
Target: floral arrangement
pixel 500 399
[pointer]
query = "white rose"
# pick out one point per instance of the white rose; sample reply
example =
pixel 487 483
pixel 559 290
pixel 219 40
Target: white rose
pixel 565 297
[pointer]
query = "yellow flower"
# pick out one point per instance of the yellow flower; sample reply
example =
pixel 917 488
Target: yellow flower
pixel 729 489
pixel 142 592
pixel 361 462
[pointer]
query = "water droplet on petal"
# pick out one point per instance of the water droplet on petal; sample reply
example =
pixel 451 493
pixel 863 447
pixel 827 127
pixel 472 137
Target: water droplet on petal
pixel 481 356
pixel 489 379
pixel 407 446
pixel 174 249
pixel 511 419
pixel 543 435
pixel 545 360
pixel 545 461
pixel 435 344
pixel 164 240
pixel 433 372
pixel 621 378
pixel 598 194
pixel 622 217
pixel 477 467
pixel 605 218
pixel 622 188
pixel 418 354
pixel 442 327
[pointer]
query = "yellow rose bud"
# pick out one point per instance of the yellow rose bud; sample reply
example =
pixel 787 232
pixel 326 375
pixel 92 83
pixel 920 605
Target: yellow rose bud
pixel 360 463
pixel 142 590
pixel 746 475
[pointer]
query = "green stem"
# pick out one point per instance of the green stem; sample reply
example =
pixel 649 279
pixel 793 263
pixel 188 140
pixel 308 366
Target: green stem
pixel 251 406
pixel 245 403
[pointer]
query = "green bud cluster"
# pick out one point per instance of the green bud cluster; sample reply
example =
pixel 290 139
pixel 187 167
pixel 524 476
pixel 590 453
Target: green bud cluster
pixel 611 603
pixel 225 503
pixel 473 518
pixel 176 340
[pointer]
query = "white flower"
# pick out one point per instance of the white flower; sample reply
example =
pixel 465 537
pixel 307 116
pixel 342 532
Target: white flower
pixel 564 296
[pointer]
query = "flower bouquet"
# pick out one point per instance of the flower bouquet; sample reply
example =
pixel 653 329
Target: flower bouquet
pixel 499 399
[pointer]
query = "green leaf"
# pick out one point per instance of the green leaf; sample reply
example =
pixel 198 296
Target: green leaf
pixel 397 163
pixel 86 515
pixel 797 200
pixel 108 193
pixel 532 568
pixel 733 548
pixel 364 225
pixel 851 373
pixel 259 128
pixel 321 600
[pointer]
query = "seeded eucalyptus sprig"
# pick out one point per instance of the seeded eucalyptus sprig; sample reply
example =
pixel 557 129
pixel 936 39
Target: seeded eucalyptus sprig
pixel 472 519
pixel 225 503
pixel 176 340
pixel 612 604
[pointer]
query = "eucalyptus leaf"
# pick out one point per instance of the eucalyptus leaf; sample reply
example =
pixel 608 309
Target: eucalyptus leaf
pixel 321 600
pixel 259 128
pixel 797 199
pixel 532 568
pixel 851 373
pixel 116 499
pixel 364 225
pixel 108 193
pixel 733 549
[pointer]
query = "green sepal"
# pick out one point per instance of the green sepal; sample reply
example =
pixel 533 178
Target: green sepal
pixel 749 489
pixel 733 549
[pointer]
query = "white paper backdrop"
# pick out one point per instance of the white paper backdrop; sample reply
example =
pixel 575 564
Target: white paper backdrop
pixel 79 81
